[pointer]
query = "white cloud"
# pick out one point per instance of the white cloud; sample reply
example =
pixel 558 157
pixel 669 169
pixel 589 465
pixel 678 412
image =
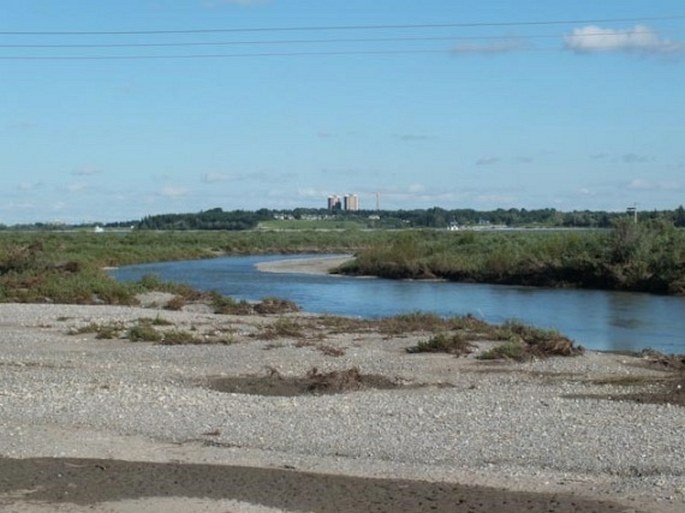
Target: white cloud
pixel 412 137
pixel 640 184
pixel 498 47
pixel 311 192
pixel 639 39
pixel 75 187
pixel 169 191
pixel 30 186
pixel 85 171
pixel 634 158
pixel 499 200
pixel 214 177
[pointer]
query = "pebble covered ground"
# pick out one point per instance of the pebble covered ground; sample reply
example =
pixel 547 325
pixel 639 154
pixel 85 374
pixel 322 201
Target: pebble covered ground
pixel 552 424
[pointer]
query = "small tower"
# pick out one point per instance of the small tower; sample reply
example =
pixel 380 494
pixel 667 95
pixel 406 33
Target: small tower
pixel 633 212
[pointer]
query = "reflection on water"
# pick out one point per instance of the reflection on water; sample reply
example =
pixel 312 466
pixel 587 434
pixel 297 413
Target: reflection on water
pixel 596 319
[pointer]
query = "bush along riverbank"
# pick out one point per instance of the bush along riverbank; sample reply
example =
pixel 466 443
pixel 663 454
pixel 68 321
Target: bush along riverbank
pixel 68 267
pixel 644 257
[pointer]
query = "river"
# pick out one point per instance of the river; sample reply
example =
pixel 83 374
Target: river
pixel 601 320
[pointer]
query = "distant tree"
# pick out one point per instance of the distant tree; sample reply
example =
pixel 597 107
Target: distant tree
pixel 679 217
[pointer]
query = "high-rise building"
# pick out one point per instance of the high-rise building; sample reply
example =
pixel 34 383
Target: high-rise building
pixel 334 203
pixel 352 202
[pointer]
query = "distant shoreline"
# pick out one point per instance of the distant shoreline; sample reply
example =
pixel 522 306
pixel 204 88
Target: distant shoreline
pixel 313 265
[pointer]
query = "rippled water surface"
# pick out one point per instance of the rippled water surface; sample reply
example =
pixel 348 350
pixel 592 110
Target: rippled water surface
pixel 596 319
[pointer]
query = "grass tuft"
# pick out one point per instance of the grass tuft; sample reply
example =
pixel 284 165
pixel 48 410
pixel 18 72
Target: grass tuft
pixel 273 305
pixel 456 344
pixel 144 333
pixel 284 327
pixel 512 350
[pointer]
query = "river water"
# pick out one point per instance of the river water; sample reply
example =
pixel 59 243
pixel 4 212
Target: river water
pixel 601 320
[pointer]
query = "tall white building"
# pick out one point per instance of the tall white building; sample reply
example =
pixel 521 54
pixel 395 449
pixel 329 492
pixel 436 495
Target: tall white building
pixel 352 202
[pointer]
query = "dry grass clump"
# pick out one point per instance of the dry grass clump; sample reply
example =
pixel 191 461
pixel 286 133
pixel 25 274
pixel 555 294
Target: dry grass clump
pixel 148 329
pixel 456 335
pixel 228 306
pixel 417 322
pixel 334 381
pixel 144 333
pixel 313 383
pixel 102 331
pixel 268 306
pixel 177 337
pixel 283 327
pixel 412 323
pixel 155 321
pixel 176 303
pixel 511 350
pixel 523 342
pixel 456 344
pixel 274 305
pixel 335 324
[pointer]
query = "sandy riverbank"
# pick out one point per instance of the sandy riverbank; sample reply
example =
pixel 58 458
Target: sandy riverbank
pixel 115 426
pixel 314 265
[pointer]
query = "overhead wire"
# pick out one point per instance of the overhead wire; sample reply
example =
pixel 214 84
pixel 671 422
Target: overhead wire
pixel 340 27
pixel 301 41
pixel 286 41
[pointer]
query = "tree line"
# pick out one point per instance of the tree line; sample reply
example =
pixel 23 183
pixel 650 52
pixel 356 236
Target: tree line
pixel 436 217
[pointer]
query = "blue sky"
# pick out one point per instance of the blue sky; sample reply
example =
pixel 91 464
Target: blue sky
pixel 471 104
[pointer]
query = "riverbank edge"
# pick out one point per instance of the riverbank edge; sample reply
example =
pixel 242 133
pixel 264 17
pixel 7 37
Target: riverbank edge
pixel 307 265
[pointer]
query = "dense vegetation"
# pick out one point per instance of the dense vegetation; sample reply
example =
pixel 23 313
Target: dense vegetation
pixel 310 218
pixel 647 256
pixel 214 219
pixel 217 219
pixel 68 266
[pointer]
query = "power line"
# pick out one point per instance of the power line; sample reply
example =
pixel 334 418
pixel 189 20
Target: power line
pixel 292 41
pixel 217 56
pixel 338 27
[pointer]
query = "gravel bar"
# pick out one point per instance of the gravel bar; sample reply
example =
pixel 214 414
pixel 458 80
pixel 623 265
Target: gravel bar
pixel 542 426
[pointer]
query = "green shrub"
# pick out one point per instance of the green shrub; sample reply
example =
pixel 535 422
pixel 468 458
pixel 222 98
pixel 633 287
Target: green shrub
pixel 537 341
pixel 179 337
pixel 144 333
pixel 228 306
pixel 512 350
pixel 455 344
